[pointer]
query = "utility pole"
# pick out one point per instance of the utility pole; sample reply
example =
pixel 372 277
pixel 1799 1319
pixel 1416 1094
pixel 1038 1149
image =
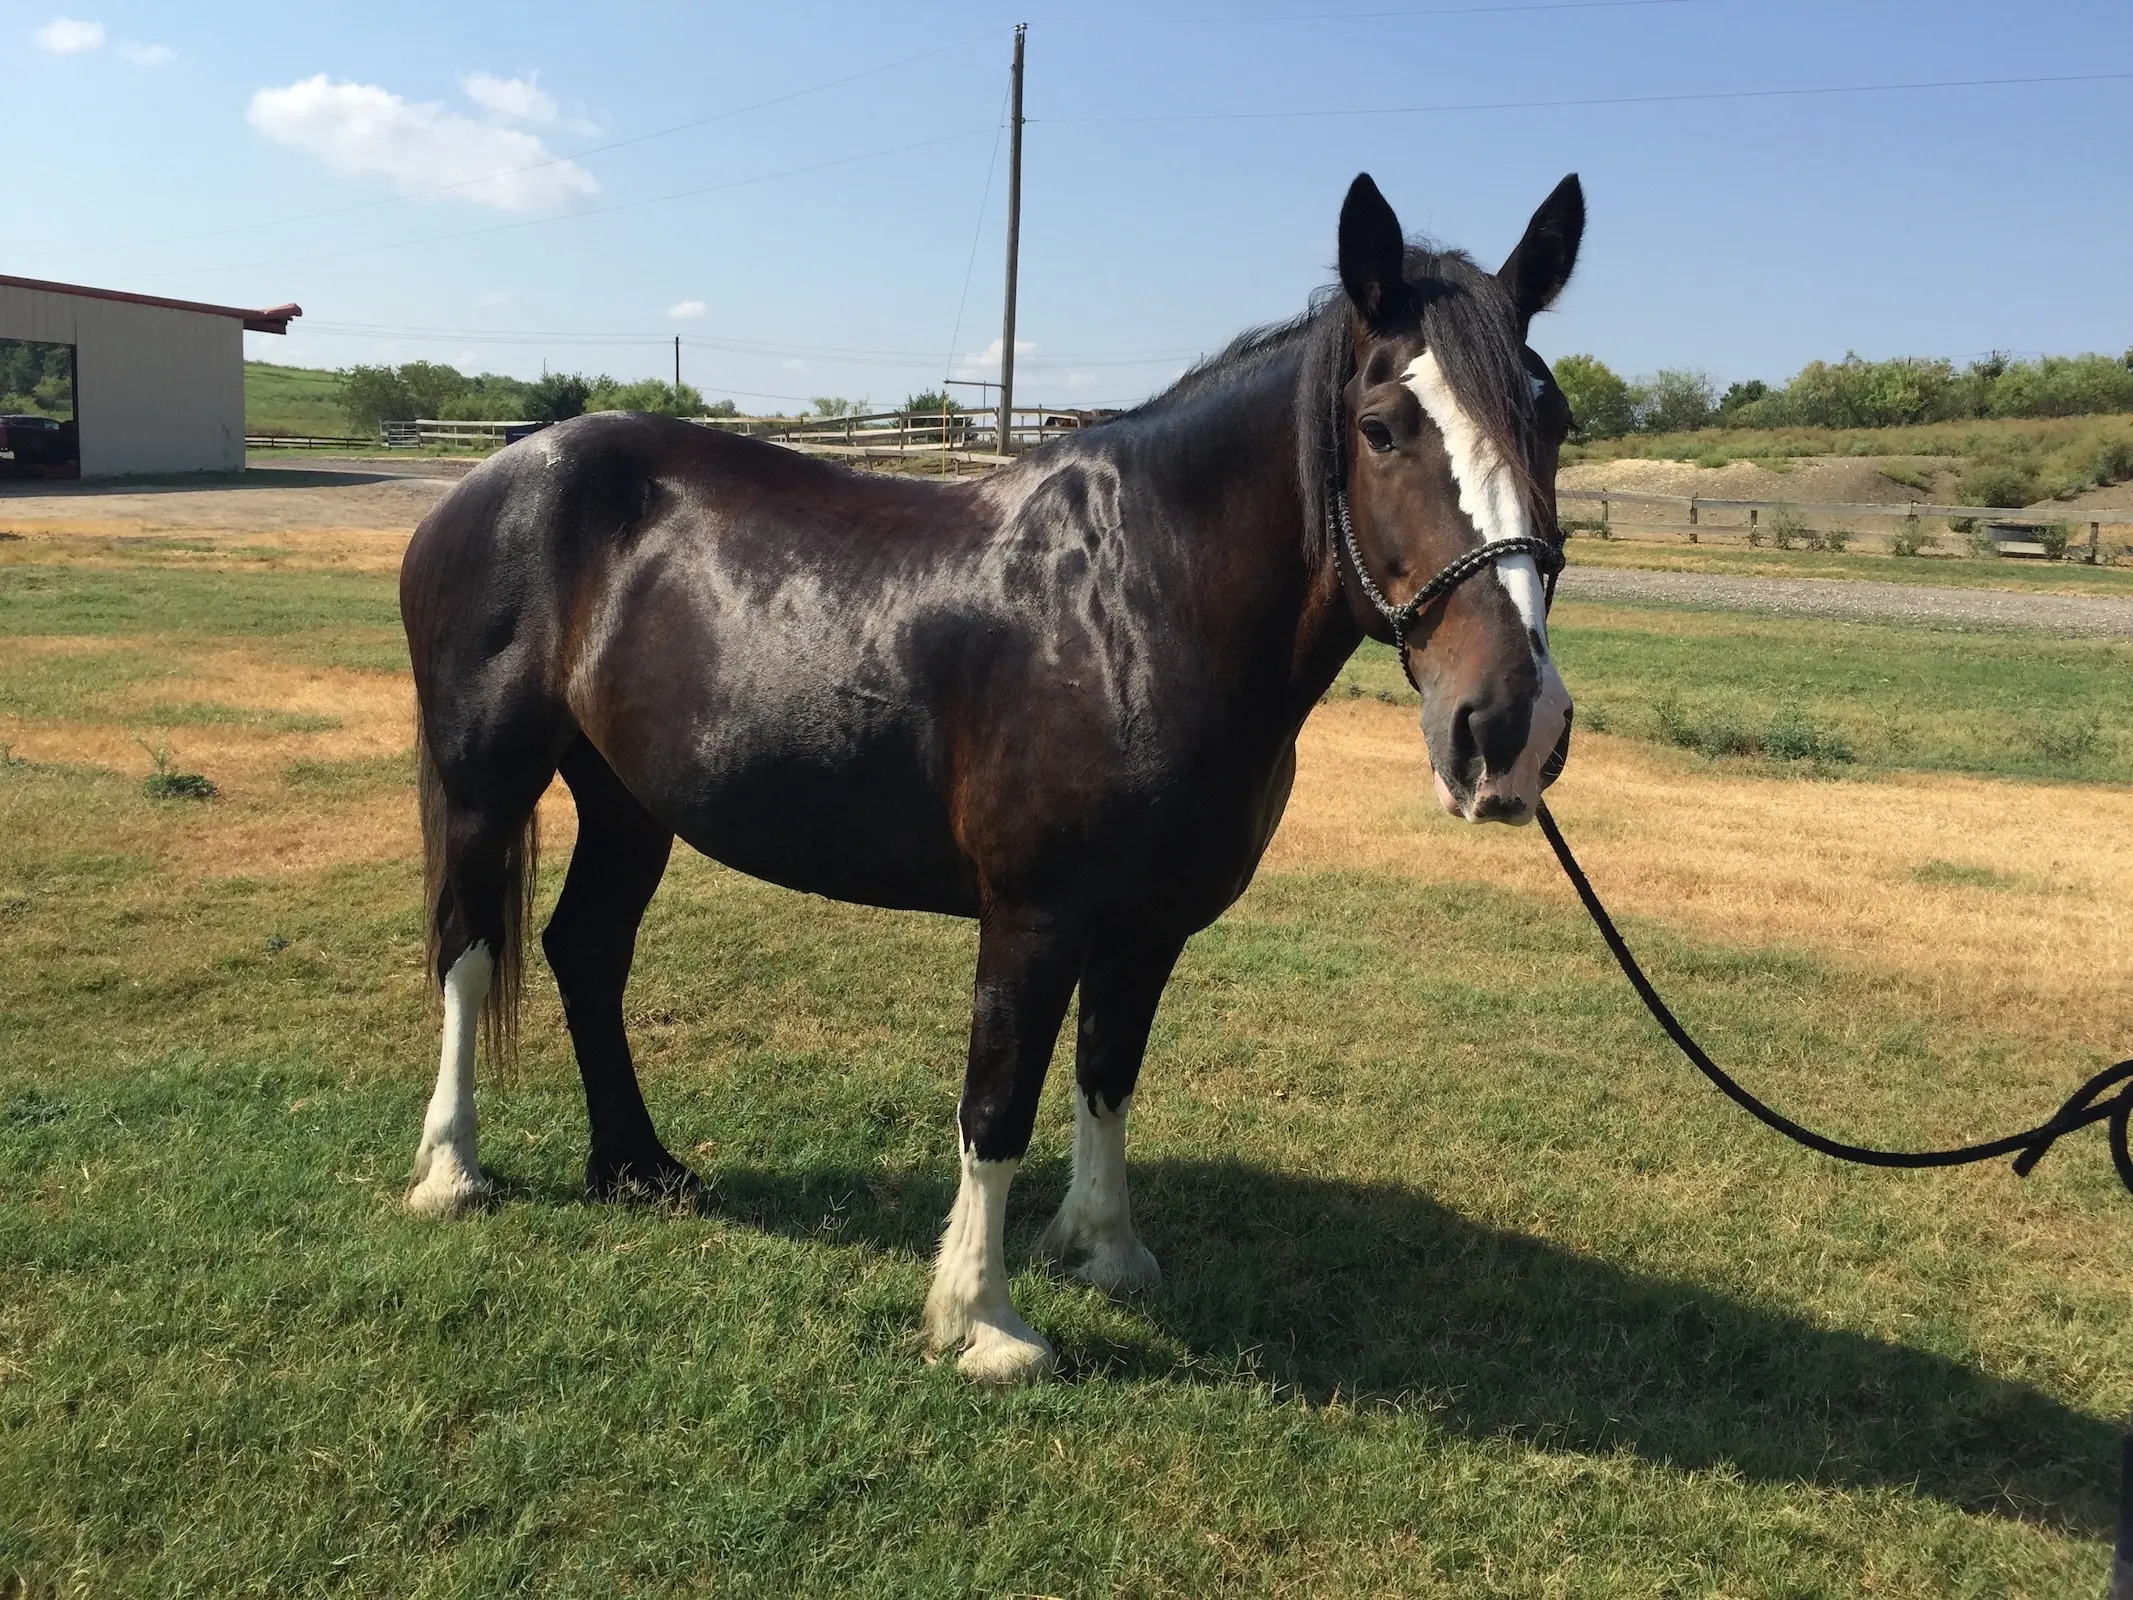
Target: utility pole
pixel 677 369
pixel 1014 241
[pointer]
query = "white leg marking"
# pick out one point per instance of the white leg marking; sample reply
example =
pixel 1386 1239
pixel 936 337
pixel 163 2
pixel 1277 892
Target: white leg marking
pixel 447 1176
pixel 1096 1217
pixel 968 1307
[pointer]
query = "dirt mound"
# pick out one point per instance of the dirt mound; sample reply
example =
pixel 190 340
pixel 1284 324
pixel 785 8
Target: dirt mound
pixel 1850 480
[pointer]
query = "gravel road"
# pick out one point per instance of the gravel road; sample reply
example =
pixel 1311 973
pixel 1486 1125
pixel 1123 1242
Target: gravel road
pixel 2077 615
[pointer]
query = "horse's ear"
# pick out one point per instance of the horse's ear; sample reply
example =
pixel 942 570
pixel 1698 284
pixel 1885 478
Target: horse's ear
pixel 1373 254
pixel 1542 263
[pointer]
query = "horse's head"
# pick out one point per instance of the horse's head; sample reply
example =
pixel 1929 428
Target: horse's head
pixel 1453 427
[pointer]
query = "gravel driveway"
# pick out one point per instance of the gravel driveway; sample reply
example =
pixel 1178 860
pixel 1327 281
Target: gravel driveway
pixel 2081 616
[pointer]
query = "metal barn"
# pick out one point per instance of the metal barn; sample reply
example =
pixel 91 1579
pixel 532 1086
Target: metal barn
pixel 154 385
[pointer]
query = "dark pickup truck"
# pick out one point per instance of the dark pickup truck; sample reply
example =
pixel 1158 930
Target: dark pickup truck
pixel 38 447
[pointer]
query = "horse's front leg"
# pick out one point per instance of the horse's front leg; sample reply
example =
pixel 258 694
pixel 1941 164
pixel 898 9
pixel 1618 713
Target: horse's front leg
pixel 1119 993
pixel 1028 962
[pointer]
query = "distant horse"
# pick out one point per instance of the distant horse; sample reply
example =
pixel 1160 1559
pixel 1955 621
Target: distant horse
pixel 1063 700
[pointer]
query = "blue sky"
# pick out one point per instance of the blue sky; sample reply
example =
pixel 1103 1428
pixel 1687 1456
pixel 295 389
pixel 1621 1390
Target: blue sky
pixel 190 151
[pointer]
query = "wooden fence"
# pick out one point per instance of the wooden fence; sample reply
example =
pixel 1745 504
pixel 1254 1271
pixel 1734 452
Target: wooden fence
pixel 962 438
pixel 306 441
pixel 1911 512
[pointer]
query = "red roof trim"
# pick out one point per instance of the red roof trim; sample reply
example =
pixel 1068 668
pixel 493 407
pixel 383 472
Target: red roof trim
pixel 275 319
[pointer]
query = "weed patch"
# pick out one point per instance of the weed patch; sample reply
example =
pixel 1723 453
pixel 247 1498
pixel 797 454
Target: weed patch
pixel 1955 874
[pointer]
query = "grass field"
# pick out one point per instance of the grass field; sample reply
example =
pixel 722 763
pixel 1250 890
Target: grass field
pixel 292 400
pixel 1470 1287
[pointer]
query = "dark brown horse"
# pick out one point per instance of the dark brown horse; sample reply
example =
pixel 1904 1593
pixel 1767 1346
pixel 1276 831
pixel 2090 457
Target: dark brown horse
pixel 1063 700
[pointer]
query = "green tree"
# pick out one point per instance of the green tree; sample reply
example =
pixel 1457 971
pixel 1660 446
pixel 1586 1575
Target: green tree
pixel 1677 400
pixel 1599 400
pixel 558 396
pixel 433 386
pixel 830 405
pixel 1738 395
pixel 371 395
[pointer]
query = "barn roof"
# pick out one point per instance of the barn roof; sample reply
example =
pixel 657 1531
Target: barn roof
pixel 275 319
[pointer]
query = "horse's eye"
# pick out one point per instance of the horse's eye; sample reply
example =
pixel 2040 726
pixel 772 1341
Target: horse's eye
pixel 1375 434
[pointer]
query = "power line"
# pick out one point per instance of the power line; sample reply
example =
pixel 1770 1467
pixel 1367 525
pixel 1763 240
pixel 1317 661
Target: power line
pixel 537 166
pixel 1595 101
pixel 749 347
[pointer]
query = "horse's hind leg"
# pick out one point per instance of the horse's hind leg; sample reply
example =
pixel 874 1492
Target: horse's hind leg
pixel 478 898
pixel 1119 993
pixel 620 856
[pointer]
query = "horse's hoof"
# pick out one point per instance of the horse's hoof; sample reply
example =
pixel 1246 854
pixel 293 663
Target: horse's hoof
pixel 445 1186
pixel 1126 1268
pixel 999 1357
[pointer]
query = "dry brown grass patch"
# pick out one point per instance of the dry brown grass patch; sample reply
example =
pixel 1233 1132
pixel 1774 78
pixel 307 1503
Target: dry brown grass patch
pixel 1824 867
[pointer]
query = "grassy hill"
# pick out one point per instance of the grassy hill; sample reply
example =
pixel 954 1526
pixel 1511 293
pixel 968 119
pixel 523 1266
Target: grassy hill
pixel 300 400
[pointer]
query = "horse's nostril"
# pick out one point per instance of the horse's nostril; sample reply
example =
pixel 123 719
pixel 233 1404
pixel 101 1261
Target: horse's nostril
pixel 1466 749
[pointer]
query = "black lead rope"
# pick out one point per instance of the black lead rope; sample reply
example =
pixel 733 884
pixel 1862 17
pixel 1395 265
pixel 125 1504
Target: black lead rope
pixel 2088 1104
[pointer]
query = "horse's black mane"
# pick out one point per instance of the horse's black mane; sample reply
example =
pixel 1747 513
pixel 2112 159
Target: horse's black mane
pixel 1467 320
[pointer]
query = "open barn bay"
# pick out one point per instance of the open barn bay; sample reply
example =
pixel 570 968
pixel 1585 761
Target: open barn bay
pixel 1471 1287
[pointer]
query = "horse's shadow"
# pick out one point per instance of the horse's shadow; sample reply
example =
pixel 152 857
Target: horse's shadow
pixel 1372 1291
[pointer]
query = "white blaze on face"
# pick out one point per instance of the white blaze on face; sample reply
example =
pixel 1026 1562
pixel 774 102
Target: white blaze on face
pixel 1490 497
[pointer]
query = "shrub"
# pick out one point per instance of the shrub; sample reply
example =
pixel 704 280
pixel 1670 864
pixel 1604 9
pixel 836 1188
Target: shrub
pixel 1911 539
pixel 1997 483
pixel 1835 539
pixel 2054 536
pixel 1791 737
pixel 647 394
pixel 2112 461
pixel 2067 741
pixel 1786 527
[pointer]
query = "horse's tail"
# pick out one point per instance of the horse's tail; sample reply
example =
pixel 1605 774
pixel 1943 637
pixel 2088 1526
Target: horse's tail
pixel 521 876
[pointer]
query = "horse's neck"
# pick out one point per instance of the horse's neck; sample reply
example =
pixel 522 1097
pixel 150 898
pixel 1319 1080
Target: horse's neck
pixel 1305 609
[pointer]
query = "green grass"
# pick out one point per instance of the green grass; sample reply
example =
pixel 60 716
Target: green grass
pixel 1394 1351
pixel 1471 1288
pixel 306 611
pixel 1897 696
pixel 292 400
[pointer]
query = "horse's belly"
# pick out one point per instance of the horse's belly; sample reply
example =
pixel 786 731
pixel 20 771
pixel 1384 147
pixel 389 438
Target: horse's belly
pixel 868 828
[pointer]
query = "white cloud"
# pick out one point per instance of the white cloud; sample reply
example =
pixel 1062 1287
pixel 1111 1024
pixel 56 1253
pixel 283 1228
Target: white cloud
pixel 493 297
pixel 521 100
pixel 147 55
pixel 63 36
pixel 515 99
pixel 362 130
pixel 687 311
pixel 986 363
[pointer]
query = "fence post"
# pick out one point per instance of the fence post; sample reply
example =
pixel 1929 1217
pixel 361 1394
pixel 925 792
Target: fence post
pixel 1692 519
pixel 2095 543
pixel 1753 513
pixel 1605 531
